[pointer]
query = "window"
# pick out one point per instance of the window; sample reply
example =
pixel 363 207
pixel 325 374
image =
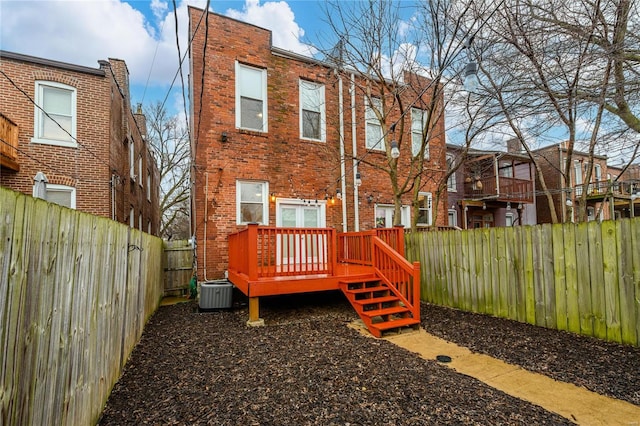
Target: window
pixel 148 186
pixel 453 217
pixel 140 222
pixel 385 214
pixel 140 171
pixel 418 124
pixel 424 209
pixel 451 181
pixel 577 168
pixel 508 219
pixel 132 218
pixel 374 128
pixel 149 227
pixel 312 111
pixel 252 202
pixel 62 195
pixel 505 169
pixel 132 160
pixel 251 98
pixel 55 123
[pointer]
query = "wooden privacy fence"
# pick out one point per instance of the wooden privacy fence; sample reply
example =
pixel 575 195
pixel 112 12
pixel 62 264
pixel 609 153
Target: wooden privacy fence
pixel 178 266
pixel 75 293
pixel 584 278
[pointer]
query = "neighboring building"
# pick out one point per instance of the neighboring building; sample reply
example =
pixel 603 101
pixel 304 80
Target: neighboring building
pixel 74 126
pixel 273 144
pixel 625 186
pixel 490 188
pixel 567 195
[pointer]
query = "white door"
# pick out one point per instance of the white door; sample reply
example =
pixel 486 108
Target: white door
pixel 301 248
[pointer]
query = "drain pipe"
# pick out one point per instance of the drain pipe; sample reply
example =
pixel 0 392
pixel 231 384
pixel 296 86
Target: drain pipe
pixel 356 212
pixel 343 171
pixel 204 243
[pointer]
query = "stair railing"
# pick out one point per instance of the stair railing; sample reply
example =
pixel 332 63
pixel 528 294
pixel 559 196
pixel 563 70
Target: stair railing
pixel 401 276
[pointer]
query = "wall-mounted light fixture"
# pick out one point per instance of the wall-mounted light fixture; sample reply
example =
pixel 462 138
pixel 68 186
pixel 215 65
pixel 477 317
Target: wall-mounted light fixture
pixel 358 179
pixel 369 198
pixel 338 194
pixel 520 206
pixel 484 206
pixel 224 137
pixel 273 197
pixel 508 205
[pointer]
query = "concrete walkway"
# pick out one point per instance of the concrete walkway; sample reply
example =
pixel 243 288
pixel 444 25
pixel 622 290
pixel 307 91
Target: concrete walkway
pixel 572 402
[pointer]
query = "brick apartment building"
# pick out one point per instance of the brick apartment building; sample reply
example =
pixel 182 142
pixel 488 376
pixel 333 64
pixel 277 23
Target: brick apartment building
pixel 281 139
pixel 552 160
pixel 74 125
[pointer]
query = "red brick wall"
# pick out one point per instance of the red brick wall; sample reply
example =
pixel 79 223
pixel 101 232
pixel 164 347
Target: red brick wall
pixel 293 168
pixel 101 110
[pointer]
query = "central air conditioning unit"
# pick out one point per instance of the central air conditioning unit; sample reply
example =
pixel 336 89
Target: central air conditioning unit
pixel 216 295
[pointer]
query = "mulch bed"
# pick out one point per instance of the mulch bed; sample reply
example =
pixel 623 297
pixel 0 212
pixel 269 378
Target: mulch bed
pixel 306 367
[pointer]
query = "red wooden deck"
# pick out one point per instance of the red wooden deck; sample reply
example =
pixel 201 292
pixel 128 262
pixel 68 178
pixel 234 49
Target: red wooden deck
pixel 369 267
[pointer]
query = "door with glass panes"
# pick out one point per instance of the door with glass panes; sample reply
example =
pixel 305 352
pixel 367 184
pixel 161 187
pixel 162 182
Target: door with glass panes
pixel 301 248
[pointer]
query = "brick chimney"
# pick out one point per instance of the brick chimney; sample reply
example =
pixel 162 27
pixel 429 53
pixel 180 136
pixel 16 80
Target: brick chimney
pixel 514 145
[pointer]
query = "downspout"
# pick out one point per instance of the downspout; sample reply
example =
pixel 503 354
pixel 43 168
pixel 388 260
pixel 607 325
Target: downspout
pixel 356 213
pixel 497 169
pixel 113 196
pixel 204 243
pixel 343 171
pixel 563 184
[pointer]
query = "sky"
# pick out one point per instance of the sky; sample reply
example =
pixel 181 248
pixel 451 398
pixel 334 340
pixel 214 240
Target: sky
pixel 142 33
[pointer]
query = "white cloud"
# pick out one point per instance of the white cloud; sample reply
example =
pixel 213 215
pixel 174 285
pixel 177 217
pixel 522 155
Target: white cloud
pixel 159 8
pixel 278 17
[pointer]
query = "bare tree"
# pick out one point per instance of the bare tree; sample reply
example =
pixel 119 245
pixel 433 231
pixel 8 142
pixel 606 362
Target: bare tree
pixel 405 61
pixel 169 138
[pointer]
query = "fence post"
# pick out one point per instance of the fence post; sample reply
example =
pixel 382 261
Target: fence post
pixel 400 236
pixel 416 290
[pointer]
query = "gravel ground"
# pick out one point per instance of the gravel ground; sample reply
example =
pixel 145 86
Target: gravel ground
pixel 306 367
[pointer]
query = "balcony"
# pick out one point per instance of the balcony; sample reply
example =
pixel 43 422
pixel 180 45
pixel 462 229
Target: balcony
pixel 8 144
pixel 500 188
pixel 599 190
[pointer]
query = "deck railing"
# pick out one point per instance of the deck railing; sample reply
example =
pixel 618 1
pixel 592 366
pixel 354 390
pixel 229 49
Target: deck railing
pixel 603 188
pixel 8 143
pixel 264 251
pixel 355 247
pixel 504 188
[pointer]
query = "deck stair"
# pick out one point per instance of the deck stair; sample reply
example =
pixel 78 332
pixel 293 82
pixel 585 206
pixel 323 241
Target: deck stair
pixel 380 309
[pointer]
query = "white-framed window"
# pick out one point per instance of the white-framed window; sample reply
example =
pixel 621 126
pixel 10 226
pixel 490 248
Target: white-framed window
pixel 374 128
pixel 251 98
pixel 418 124
pixel 312 111
pixel 252 202
pixel 132 160
pixel 140 221
pixel 451 181
pixel 62 194
pixel 424 209
pixel 140 171
pixel 509 219
pixel 132 218
pixel 149 227
pixel 453 217
pixel 385 215
pixel 148 185
pixel 55 120
pixel 505 169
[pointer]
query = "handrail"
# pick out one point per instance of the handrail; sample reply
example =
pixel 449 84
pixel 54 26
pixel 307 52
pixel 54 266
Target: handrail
pixel 8 148
pixel 401 276
pixel 355 247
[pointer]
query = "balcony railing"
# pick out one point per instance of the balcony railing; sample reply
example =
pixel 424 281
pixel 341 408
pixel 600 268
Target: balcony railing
pixel 501 188
pixel 603 188
pixel 8 144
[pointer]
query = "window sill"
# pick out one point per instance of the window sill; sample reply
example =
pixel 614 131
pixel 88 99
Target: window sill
pixel 253 133
pixel 53 142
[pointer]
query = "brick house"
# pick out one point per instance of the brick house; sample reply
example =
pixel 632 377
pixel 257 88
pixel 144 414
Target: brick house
pixel 74 125
pixel 552 160
pixel 490 188
pixel 281 139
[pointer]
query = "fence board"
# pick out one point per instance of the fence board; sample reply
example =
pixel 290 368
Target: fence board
pixel 584 278
pixel 571 279
pixel 63 313
pixel 625 282
pixel 612 291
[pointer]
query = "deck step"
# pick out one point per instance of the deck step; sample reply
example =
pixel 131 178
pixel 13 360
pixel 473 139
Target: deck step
pixel 375 300
pixel 399 323
pixel 386 311
pixel 367 290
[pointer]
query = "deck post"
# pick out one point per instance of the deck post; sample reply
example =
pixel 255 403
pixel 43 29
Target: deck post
pixel 252 251
pixel 400 237
pixel 254 313
pixel 333 243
